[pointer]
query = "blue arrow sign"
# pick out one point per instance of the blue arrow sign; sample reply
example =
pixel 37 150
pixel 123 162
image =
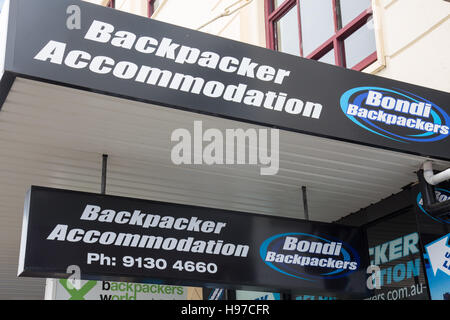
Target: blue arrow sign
pixel 439 254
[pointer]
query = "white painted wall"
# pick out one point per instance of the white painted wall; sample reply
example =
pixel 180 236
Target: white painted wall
pixel 246 25
pixel 138 7
pixel 416 40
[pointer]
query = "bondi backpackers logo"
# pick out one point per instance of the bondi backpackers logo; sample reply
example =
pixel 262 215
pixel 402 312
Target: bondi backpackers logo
pixel 309 257
pixel 396 115
pixel 441 196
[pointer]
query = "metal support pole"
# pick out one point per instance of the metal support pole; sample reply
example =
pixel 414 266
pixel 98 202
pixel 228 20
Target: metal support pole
pixel 289 295
pixel 305 203
pixel 104 169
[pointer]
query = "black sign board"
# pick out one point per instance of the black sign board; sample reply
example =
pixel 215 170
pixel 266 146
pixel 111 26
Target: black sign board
pixel 110 237
pixel 394 246
pixel 124 55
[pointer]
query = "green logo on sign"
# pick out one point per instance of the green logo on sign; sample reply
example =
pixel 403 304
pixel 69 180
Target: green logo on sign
pixel 78 294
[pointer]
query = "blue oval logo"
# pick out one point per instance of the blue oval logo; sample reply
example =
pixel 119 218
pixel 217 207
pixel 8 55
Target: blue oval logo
pixel 309 257
pixel 396 115
pixel 441 196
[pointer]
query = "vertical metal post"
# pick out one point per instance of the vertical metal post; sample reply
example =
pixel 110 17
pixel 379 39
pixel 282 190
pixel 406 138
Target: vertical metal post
pixel 305 203
pixel 104 169
pixel 289 295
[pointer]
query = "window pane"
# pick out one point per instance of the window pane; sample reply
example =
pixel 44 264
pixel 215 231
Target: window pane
pixel 277 3
pixel 152 6
pixel 360 45
pixel 155 5
pixel 328 58
pixel 317 23
pixel 287 33
pixel 350 9
pixel 1 5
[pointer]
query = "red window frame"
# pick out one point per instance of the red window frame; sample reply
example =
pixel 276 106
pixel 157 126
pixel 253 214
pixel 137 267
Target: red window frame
pixel 151 7
pixel 111 4
pixel 336 41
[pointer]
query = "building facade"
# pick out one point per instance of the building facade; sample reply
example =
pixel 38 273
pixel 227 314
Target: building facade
pixel 356 185
pixel 406 43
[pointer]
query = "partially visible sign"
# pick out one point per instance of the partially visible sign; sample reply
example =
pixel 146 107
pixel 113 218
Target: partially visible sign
pixel 214 294
pixel 111 238
pixel 256 295
pixel 437 255
pixel 62 289
pixel 441 196
pixel 394 248
pixel 435 242
pixel 314 297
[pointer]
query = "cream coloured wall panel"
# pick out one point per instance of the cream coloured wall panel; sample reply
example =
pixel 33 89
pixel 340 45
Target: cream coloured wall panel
pixel 406 20
pixel 425 62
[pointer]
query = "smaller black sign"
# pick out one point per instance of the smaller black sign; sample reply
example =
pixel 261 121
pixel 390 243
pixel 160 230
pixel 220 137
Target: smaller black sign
pixel 395 249
pixel 126 239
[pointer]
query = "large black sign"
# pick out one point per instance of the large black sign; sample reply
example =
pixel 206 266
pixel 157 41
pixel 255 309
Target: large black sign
pixel 111 237
pixel 138 58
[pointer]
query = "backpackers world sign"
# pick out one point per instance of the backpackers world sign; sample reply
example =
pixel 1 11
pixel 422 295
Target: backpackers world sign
pixel 61 289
